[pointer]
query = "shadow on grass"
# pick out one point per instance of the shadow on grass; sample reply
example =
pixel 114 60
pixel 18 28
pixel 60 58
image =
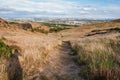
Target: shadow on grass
pixel 14 69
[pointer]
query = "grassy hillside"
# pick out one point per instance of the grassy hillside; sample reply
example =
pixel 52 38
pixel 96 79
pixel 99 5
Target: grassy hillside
pixel 100 57
pixel 88 52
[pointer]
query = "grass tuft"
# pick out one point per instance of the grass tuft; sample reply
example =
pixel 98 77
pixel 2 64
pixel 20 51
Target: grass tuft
pixel 5 50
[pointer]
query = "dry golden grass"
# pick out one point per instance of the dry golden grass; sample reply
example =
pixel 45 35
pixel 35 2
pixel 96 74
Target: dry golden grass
pixel 97 53
pixel 34 48
pixel 39 26
pixel 3 74
pixel 100 57
pixel 78 32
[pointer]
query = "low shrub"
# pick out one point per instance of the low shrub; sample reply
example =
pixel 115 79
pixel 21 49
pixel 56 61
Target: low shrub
pixel 59 25
pixel 13 23
pixel 116 29
pixel 57 29
pixel 40 30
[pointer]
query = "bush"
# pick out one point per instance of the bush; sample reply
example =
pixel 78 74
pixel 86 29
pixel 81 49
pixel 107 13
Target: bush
pixel 59 25
pixel 116 29
pixel 5 50
pixel 39 30
pixel 57 29
pixel 13 23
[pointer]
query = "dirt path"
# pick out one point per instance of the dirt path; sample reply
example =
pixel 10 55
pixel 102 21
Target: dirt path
pixel 61 66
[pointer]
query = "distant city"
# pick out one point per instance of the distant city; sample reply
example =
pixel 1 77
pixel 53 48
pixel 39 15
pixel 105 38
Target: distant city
pixel 68 21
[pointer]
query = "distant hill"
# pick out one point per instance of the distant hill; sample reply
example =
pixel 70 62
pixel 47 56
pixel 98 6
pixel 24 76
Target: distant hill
pixel 117 20
pixel 5 24
pixel 3 21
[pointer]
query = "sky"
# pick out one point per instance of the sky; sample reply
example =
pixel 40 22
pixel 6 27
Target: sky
pixel 95 9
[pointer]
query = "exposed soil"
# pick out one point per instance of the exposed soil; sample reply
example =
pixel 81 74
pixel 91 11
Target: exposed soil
pixel 62 66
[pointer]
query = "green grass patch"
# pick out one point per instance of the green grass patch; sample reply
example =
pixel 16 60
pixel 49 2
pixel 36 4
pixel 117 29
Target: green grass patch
pixel 59 25
pixel 5 50
pixel 54 27
pixel 57 29
pixel 40 30
pixel 13 23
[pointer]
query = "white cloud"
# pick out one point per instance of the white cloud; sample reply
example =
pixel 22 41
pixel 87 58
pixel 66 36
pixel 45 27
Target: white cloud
pixel 55 8
pixel 6 12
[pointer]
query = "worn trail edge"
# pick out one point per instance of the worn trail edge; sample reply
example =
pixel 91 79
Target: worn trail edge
pixel 61 66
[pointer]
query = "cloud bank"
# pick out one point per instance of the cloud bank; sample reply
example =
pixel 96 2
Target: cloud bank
pixel 56 8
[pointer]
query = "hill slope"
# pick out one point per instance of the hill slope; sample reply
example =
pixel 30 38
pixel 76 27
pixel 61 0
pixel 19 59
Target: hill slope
pixel 57 56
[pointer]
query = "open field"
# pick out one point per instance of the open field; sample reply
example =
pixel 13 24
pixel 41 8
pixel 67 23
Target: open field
pixel 87 52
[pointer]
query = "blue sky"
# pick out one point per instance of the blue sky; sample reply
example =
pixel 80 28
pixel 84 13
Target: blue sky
pixel 97 9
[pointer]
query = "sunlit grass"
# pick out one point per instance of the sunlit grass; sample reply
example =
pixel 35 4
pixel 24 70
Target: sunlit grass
pixel 99 56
